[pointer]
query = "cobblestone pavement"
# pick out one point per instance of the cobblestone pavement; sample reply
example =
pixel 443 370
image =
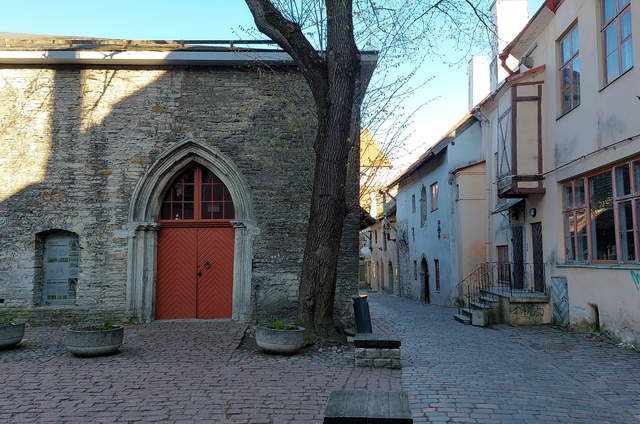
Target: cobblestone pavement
pixel 207 372
pixel 176 372
pixel 502 374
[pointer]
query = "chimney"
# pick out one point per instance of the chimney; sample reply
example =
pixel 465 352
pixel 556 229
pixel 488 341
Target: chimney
pixel 478 80
pixel 508 17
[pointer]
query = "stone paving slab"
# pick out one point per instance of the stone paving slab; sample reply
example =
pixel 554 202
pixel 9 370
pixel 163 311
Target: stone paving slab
pixel 175 372
pixel 502 374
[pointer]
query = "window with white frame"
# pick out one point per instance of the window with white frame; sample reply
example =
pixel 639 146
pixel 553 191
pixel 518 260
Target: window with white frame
pixel 602 215
pixel 569 70
pixel 616 38
pixel 434 196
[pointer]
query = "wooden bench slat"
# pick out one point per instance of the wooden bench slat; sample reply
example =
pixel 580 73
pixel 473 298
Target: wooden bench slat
pixel 337 404
pixel 368 407
pixel 356 404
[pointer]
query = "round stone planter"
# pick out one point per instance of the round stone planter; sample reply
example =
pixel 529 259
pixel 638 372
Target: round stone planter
pixel 94 341
pixel 11 335
pixel 274 340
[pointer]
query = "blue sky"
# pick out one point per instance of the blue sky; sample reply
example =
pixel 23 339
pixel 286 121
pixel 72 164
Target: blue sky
pixel 446 93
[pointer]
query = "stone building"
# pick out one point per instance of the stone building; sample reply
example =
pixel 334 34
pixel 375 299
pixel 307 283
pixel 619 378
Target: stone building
pixel 156 181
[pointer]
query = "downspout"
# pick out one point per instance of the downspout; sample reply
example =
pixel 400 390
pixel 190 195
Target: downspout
pixel 503 60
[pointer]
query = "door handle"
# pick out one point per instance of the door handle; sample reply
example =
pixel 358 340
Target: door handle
pixel 206 265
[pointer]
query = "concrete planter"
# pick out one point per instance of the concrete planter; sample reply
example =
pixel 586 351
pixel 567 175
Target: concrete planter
pixel 279 341
pixel 11 335
pixel 94 341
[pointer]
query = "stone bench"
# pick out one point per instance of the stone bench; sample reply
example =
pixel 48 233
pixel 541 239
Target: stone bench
pixel 368 407
pixel 377 350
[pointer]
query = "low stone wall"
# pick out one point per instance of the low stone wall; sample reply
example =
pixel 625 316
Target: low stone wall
pixel 377 350
pixel 378 357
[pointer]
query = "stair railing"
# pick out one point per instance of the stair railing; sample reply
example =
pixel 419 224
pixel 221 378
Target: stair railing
pixel 500 278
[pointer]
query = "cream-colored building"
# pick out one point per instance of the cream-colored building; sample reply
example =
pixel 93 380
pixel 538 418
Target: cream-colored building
pixel 563 162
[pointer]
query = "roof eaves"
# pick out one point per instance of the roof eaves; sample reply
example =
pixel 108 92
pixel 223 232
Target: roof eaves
pixel 438 147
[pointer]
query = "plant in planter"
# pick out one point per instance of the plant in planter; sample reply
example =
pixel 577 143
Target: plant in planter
pixel 278 337
pixel 95 340
pixel 11 333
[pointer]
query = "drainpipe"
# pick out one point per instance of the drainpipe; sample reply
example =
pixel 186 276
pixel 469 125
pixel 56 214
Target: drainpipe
pixel 503 61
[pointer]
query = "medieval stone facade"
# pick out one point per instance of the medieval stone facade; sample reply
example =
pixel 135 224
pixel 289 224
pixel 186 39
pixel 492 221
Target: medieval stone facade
pixel 88 150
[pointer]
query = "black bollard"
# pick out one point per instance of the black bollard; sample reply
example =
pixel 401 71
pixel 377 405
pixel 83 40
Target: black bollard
pixel 361 309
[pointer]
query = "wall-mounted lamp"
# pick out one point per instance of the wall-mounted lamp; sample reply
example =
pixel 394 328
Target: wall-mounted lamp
pixel 532 212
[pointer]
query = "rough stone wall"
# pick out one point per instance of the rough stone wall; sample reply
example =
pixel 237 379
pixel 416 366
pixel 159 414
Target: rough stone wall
pixel 75 140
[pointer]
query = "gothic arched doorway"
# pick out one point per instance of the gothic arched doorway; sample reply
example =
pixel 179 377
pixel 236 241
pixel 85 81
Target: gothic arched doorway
pixel 424 281
pixel 195 248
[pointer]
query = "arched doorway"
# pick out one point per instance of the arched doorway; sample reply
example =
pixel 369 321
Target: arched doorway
pixel 424 281
pixel 143 228
pixel 195 248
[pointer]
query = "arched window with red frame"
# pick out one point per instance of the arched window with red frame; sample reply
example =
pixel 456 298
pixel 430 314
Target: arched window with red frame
pixel 197 195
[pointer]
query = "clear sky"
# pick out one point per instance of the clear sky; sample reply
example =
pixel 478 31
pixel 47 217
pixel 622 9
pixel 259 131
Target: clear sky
pixel 222 20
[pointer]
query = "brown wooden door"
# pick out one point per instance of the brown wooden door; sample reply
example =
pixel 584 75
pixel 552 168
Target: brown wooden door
pixel 215 273
pixel 195 273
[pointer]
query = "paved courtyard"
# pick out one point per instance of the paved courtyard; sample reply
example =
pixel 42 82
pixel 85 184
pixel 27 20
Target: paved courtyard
pixel 203 372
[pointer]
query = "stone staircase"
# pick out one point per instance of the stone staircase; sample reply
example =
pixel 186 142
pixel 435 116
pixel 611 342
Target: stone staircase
pixel 492 295
pixel 482 309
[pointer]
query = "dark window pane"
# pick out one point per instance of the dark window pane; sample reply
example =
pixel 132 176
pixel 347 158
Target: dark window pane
pixel 166 211
pixel 176 211
pixel 623 180
pixel 602 220
pixel 229 210
pixel 207 192
pixel 626 232
pixel 188 211
pixel 581 234
pixel 579 189
pixel 218 192
pixel 568 195
pixel 188 193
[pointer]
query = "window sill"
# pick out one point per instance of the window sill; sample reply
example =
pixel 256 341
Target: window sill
pixel 599 266
pixel 616 79
pixel 563 114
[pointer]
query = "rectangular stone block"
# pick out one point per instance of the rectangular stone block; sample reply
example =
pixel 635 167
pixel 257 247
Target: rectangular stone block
pixel 360 352
pixel 382 363
pixel 364 362
pixel 390 353
pixel 372 353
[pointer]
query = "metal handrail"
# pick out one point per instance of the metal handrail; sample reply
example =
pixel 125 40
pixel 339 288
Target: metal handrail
pixel 500 278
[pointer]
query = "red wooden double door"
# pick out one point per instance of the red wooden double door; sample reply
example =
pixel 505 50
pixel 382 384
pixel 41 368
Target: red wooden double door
pixel 195 249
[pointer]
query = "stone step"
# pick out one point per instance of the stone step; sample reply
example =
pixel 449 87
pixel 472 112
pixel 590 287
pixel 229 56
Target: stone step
pixel 462 318
pixel 479 305
pixel 490 298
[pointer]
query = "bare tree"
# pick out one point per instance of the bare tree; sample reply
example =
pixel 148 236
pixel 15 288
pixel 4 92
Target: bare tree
pixel 323 40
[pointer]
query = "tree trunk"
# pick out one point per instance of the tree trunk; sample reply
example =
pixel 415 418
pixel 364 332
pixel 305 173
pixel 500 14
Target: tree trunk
pixel 332 80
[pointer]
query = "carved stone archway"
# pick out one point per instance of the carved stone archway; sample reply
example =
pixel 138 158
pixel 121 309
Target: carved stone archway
pixel 143 228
